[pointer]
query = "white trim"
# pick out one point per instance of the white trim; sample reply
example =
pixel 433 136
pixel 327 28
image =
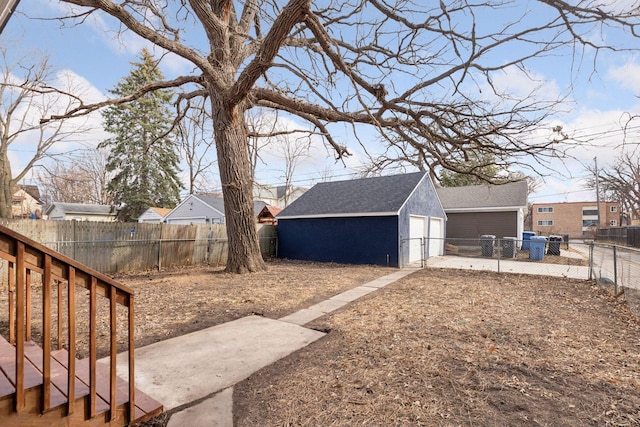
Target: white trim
pixel 489 209
pixel 343 215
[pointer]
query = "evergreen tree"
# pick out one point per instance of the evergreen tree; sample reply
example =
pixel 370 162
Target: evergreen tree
pixel 143 150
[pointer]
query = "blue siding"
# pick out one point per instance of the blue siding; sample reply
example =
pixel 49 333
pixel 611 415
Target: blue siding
pixel 353 240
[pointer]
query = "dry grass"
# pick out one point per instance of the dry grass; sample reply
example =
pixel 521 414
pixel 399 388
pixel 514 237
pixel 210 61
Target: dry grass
pixel 460 348
pixel 440 347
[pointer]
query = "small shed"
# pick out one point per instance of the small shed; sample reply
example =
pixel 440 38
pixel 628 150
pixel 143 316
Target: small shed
pixel 476 210
pixel 390 220
pixel 268 215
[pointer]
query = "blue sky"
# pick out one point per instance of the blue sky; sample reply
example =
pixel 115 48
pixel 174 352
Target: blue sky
pixel 600 103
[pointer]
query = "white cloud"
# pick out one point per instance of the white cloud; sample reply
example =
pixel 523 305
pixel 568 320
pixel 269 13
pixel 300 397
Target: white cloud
pixel 79 132
pixel 626 75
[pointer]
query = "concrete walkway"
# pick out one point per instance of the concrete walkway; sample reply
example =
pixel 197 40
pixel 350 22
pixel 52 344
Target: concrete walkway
pixel 508 266
pixel 193 375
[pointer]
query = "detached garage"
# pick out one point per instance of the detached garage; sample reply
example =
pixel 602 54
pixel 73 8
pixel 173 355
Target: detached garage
pixel 383 220
pixel 473 211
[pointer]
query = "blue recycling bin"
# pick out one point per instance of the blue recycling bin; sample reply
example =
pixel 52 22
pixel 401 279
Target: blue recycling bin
pixel 526 238
pixel 537 245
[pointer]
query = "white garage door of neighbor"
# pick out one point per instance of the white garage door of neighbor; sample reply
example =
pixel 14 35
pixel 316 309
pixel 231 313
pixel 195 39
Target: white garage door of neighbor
pixel 435 237
pixel 417 232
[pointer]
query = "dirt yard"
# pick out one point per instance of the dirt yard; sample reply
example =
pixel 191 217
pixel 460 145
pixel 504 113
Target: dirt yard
pixel 438 348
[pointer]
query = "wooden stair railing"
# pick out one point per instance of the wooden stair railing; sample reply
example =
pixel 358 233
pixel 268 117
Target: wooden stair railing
pixel 24 258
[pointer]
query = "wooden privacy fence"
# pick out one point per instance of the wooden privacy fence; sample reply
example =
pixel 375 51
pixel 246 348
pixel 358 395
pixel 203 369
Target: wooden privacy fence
pixel 114 247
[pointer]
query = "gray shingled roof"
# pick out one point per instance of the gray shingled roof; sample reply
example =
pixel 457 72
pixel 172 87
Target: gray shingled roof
pixel 385 194
pixel 83 208
pixel 215 202
pixel 513 194
pixel 218 203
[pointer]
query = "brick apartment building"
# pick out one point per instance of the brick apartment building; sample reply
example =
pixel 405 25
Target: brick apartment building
pixel 577 219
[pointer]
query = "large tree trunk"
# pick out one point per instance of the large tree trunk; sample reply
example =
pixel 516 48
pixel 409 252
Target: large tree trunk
pixel 237 188
pixel 6 187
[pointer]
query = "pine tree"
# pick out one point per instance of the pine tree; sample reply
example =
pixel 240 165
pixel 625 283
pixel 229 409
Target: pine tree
pixel 143 151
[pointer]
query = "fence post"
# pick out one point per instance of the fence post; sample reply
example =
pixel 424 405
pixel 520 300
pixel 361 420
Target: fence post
pixel 160 253
pixel 615 270
pixel 591 261
pixel 499 241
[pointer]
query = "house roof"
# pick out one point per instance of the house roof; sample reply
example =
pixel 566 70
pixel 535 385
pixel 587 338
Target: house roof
pixel 31 190
pixel 384 194
pixel 271 210
pixel 82 208
pixel 215 202
pixel 513 194
pixel 218 203
pixel 161 211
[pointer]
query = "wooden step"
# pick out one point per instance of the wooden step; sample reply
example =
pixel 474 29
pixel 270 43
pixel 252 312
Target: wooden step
pixel 145 406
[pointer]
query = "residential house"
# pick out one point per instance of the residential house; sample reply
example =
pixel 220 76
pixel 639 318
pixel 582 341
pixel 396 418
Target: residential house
pixel 477 210
pixel 81 212
pixel 26 202
pixel 202 209
pixel 278 196
pixel 575 219
pixel 389 220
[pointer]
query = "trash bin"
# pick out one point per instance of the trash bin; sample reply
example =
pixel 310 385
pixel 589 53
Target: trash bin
pixel 565 239
pixel 537 245
pixel 486 243
pixel 509 248
pixel 554 245
pixel 526 237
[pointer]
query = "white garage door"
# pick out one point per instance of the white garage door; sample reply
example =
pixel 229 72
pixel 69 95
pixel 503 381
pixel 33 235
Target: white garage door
pixel 417 232
pixel 436 234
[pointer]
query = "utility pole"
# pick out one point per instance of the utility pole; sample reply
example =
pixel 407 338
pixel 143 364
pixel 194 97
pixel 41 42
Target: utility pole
pixel 6 10
pixel 595 159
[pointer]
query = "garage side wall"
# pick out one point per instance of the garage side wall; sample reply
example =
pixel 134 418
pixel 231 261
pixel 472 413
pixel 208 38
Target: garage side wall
pixel 358 240
pixel 423 202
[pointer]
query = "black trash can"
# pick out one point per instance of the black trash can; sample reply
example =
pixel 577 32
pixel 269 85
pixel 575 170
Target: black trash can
pixel 565 240
pixel 486 243
pixel 509 248
pixel 553 247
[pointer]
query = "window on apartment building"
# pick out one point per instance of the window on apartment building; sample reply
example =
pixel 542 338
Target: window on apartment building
pixel 590 212
pixel 613 209
pixel 589 222
pixel 613 223
pixel 546 209
pixel 545 223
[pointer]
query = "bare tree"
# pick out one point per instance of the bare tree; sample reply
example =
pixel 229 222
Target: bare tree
pixel 26 96
pixel 620 182
pixel 197 145
pixel 422 73
pixel 81 179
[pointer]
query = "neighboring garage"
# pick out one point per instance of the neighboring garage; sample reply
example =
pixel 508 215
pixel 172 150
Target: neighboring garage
pixel 382 220
pixel 477 210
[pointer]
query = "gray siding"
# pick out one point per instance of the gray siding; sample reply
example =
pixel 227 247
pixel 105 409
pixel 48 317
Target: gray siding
pixel 193 210
pixel 422 202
